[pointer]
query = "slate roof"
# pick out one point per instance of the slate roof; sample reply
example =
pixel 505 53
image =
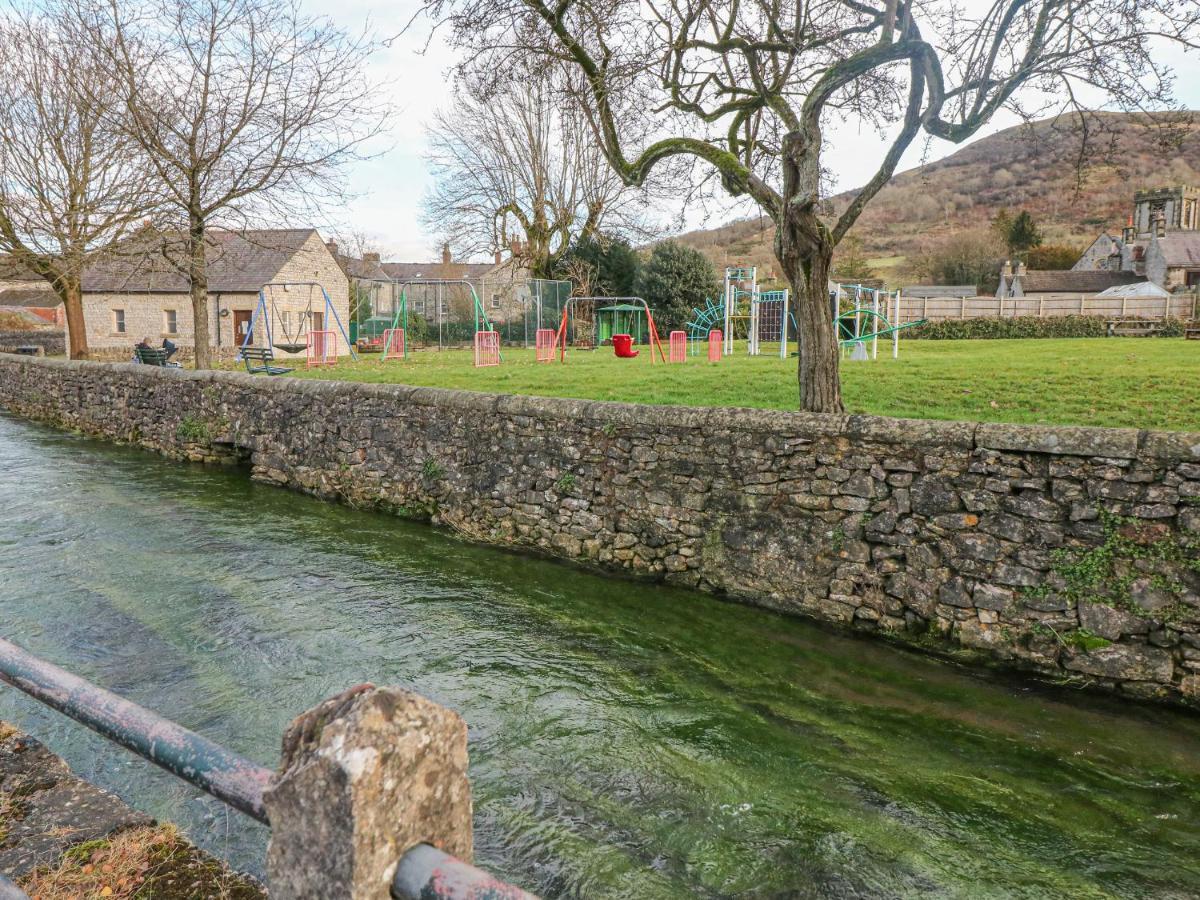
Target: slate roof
pixel 933 291
pixel 239 262
pixel 1074 281
pixel 1181 248
pixel 11 270
pixel 431 271
pixel 362 269
pixel 40 298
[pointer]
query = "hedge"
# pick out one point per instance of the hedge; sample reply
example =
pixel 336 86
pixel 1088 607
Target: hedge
pixel 1024 327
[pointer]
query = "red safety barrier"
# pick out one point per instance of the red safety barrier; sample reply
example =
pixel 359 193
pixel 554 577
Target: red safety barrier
pixel 487 348
pixel 544 344
pixel 715 340
pixel 678 341
pixel 321 349
pixel 393 344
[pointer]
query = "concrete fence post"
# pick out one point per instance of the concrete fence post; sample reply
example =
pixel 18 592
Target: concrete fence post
pixel 364 777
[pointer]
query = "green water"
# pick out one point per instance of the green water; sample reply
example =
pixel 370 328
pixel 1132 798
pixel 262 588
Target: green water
pixel 626 740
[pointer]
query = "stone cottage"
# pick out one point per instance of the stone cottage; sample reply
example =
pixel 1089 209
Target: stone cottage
pixel 502 286
pixel 369 285
pixel 141 293
pixel 1016 281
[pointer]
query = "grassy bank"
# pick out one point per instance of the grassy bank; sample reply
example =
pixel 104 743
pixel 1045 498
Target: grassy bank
pixel 1120 382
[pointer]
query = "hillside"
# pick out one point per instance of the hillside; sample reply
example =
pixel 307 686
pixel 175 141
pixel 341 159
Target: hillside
pixel 1026 167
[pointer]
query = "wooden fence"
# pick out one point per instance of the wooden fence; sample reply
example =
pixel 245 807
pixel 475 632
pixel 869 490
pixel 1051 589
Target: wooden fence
pixel 936 309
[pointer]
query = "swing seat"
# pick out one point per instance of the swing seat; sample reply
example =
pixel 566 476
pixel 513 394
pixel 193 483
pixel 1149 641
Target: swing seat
pixel 623 346
pixel 289 348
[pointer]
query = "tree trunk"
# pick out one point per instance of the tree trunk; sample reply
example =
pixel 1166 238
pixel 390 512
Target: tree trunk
pixel 198 286
pixel 72 297
pixel 805 253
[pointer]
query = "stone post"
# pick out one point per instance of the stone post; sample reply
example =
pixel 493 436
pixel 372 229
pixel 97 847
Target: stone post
pixel 364 777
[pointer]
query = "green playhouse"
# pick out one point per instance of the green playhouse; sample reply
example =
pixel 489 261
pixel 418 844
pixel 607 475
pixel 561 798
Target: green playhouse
pixel 622 318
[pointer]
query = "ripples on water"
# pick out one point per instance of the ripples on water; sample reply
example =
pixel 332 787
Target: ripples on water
pixel 626 740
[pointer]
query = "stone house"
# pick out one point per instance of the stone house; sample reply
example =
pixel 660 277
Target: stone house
pixel 369 285
pixel 1017 281
pixel 27 293
pixel 502 286
pixel 1160 242
pixel 139 293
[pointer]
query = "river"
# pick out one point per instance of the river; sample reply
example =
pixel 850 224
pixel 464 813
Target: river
pixel 627 740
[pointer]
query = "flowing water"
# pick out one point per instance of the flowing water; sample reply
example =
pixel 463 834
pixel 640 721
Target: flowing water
pixel 626 740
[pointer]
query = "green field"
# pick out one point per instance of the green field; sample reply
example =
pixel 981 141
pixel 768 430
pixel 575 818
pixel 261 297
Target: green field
pixel 1131 382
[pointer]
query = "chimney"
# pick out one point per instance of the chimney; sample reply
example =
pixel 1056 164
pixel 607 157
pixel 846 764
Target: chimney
pixel 333 247
pixel 371 258
pixel 1160 226
pixel 498 257
pixel 1006 270
pixel 446 254
pixel 1020 270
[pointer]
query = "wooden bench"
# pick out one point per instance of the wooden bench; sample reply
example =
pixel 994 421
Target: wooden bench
pixel 264 359
pixel 1133 327
pixel 154 356
pixel 1191 330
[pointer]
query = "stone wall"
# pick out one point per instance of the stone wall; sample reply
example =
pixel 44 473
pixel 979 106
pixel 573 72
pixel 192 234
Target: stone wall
pixel 1074 552
pixel 50 340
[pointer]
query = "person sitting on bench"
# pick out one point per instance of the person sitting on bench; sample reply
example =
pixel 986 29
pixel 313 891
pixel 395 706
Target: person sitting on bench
pixel 143 344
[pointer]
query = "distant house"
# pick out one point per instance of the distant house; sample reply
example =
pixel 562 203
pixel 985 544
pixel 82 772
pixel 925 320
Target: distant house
pixel 1016 281
pixel 938 291
pixel 502 287
pixel 139 293
pixel 1160 243
pixel 28 294
pixel 370 286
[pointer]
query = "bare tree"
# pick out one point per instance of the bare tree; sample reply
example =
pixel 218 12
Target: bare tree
pixel 516 167
pixel 247 110
pixel 751 86
pixel 71 186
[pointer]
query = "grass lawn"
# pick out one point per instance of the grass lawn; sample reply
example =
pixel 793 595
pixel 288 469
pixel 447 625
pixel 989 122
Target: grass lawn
pixel 1130 382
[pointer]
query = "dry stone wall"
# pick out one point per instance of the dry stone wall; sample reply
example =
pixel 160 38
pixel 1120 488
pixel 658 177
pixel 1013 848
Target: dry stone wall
pixel 1074 552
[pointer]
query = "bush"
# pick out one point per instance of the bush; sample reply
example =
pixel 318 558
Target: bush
pixel 1053 256
pixel 1020 327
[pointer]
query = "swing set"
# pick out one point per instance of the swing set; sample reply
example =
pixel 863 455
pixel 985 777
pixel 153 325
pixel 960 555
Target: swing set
pixel 395 343
pixel 604 324
pixel 318 344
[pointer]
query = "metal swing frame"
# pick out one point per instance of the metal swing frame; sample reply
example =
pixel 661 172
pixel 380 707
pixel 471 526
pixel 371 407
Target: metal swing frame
pixel 482 322
pixel 263 310
pixel 560 338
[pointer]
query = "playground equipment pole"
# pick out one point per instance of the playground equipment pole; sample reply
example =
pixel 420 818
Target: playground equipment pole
pixel 875 309
pixel 896 334
pixel 783 327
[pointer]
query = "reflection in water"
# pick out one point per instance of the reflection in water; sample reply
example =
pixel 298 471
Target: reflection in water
pixel 626 740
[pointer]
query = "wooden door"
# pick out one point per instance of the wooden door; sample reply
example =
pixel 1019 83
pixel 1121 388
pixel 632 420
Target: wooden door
pixel 241 325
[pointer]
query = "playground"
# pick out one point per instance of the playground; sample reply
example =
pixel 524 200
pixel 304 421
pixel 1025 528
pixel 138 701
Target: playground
pixel 1116 382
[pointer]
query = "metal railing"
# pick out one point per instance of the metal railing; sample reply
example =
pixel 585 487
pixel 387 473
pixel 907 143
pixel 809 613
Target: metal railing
pixel 423 872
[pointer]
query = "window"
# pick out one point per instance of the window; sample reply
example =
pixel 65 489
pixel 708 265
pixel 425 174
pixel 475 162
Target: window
pixel 419 306
pixel 170 321
pixel 443 308
pixel 285 321
pixel 1192 279
pixel 495 301
pixel 119 321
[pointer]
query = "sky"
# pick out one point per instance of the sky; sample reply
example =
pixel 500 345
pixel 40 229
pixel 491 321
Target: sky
pixel 387 189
